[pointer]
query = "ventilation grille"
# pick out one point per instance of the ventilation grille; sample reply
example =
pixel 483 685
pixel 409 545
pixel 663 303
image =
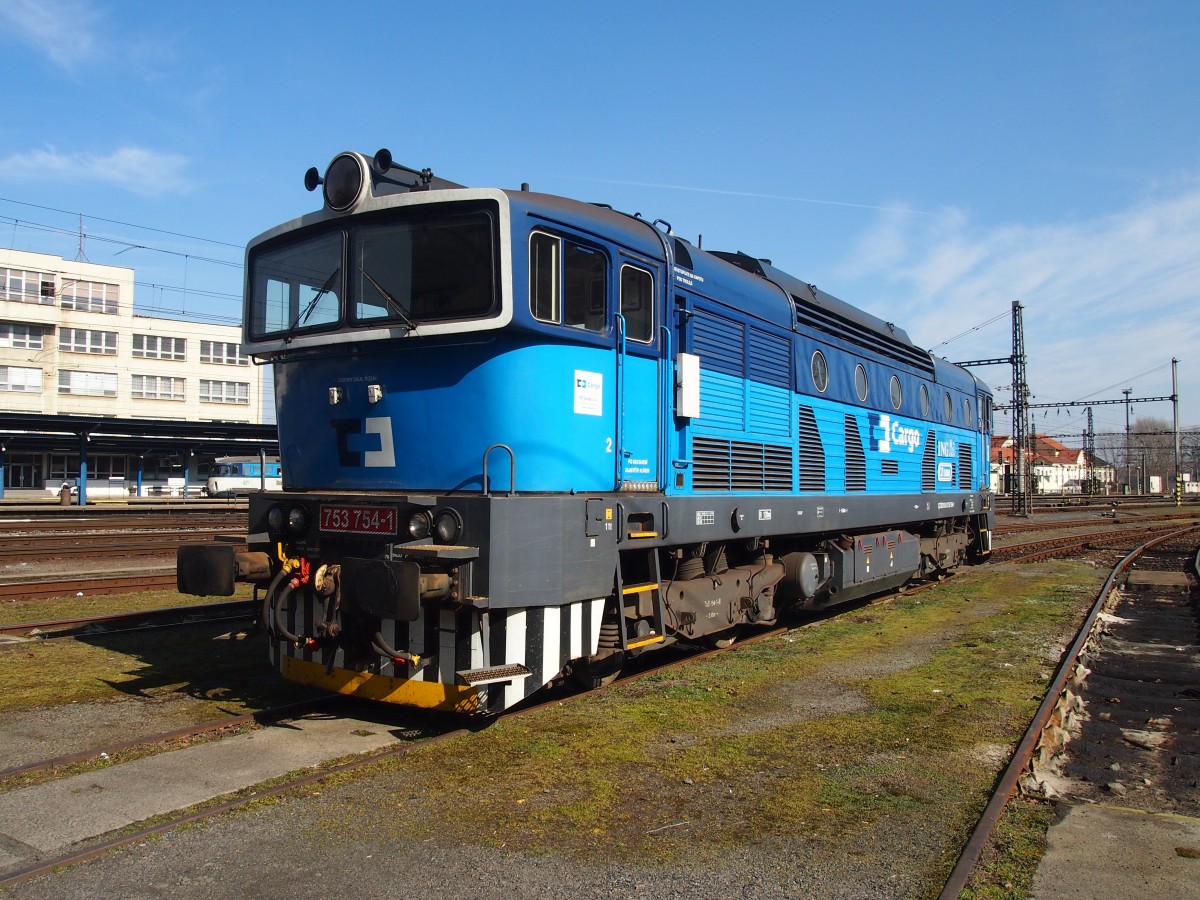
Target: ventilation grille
pixel 846 329
pixel 889 467
pixel 929 464
pixel 740 466
pixel 965 473
pixel 812 453
pixel 856 459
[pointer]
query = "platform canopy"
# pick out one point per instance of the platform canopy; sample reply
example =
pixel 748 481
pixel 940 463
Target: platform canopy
pixel 34 432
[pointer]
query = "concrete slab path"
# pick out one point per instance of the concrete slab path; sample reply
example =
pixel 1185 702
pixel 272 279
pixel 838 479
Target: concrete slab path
pixel 46 819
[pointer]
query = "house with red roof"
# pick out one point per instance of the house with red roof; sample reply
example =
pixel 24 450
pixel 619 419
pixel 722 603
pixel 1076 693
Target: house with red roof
pixel 1055 467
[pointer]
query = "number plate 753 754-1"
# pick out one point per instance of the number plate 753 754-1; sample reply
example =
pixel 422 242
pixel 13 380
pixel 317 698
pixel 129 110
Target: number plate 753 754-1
pixel 348 519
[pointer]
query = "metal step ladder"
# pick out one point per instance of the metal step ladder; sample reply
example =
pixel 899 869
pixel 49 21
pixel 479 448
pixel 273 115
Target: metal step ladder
pixel 637 575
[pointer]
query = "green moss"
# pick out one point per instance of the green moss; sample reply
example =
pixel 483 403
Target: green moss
pixel 1007 866
pixel 16 612
pixel 730 751
pixel 196 662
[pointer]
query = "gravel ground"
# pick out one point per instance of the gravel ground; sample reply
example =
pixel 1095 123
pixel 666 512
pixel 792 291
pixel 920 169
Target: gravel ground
pixel 281 851
pixel 350 838
pixel 304 847
pixel 29 735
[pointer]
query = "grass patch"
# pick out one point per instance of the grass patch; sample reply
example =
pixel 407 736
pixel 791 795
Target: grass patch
pixel 1007 865
pixel 230 675
pixel 881 719
pixel 17 612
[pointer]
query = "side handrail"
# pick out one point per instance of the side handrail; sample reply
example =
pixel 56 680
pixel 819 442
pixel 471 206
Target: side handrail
pixel 512 469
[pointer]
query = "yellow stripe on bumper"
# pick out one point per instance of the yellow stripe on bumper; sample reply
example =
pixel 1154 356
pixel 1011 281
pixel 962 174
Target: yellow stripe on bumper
pixel 383 688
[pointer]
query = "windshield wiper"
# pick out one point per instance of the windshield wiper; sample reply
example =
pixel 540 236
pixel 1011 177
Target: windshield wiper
pixel 390 300
pixel 312 304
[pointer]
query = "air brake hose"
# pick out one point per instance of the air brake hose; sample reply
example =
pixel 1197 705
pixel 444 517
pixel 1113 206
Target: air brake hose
pixel 380 646
pixel 281 631
pixel 268 602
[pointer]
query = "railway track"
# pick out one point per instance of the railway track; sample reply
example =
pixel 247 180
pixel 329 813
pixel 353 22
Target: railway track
pixel 44 589
pixel 1031 551
pixel 167 617
pixel 86 521
pixel 106 543
pixel 436 731
pixel 1120 669
pixel 419 729
pixel 1010 526
pixel 166 739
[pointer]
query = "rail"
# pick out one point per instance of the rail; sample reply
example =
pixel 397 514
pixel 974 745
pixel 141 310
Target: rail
pixel 1024 753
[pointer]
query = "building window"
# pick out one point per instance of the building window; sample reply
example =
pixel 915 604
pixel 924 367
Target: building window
pixel 100 467
pixel 224 392
pixel 90 296
pixel 21 286
pixel 85 340
pixel 153 346
pixel 223 353
pixel 157 387
pixel 21 337
pixel 20 378
pixel 88 384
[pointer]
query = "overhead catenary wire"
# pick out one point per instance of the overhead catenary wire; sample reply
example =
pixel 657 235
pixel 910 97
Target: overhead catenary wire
pixel 127 244
pixel 980 326
pixel 190 237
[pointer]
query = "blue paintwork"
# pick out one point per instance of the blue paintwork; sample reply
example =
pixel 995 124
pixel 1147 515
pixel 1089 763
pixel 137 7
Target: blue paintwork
pixel 581 415
pixel 448 401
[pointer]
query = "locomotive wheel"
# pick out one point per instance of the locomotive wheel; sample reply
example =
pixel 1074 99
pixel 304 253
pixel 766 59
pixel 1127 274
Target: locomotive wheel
pixel 592 675
pixel 722 640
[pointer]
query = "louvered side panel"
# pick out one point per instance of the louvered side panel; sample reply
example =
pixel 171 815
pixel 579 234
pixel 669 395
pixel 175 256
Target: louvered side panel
pixel 719 465
pixel 711 464
pixel 769 410
pixel 812 452
pixel 747 466
pixel 929 464
pixel 722 401
pixel 777 468
pixel 965 467
pixel 770 359
pixel 720 344
pixel 856 458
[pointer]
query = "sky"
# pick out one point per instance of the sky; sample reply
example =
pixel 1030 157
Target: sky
pixel 929 162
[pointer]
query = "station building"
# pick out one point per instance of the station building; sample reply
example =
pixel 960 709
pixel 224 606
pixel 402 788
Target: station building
pixel 72 350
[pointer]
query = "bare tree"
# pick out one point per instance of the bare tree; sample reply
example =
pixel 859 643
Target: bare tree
pixel 1152 451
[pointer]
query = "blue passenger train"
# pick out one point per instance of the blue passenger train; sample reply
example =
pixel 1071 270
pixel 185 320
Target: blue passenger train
pixel 525 437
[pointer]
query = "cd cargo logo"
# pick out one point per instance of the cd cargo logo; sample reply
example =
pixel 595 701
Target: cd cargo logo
pixel 887 433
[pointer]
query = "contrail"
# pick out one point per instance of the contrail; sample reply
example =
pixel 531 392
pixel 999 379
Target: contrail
pixel 702 190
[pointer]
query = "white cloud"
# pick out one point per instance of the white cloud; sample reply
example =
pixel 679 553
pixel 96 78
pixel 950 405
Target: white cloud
pixel 135 169
pixel 1103 299
pixel 64 31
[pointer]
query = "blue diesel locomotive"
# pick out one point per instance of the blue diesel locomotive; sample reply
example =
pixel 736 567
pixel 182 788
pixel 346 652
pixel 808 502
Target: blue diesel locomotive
pixel 525 437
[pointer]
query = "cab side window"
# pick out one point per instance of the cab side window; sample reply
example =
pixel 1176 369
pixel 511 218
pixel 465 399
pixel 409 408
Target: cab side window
pixel 568 283
pixel 637 304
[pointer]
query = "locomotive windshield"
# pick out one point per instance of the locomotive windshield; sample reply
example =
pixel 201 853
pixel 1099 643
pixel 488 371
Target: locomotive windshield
pixel 430 263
